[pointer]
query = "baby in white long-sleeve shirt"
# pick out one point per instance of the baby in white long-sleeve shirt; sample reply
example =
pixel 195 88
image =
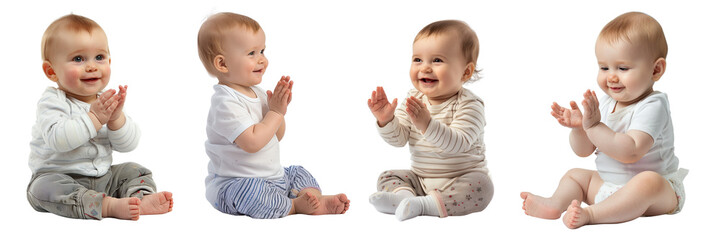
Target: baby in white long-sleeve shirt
pixel 78 126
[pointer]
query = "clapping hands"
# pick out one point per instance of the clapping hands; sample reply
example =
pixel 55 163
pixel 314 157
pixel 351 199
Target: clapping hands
pixel 279 99
pixel 417 110
pixel 381 108
pixel 574 118
pixel 109 106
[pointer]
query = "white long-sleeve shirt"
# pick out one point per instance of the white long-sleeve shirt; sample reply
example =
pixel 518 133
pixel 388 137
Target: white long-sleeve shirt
pixel 65 140
pixel 453 142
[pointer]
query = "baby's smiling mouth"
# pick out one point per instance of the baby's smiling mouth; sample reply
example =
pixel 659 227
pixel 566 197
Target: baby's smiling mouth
pixel 89 79
pixel 427 80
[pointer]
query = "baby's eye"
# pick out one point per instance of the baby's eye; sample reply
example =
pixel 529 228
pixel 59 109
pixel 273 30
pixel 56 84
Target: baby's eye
pixel 437 60
pixel 262 51
pixel 417 60
pixel 251 53
pixel 604 68
pixel 623 68
pixel 77 59
pixel 99 57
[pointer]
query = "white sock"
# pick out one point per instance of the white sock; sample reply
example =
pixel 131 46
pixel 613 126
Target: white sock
pixel 387 202
pixel 416 206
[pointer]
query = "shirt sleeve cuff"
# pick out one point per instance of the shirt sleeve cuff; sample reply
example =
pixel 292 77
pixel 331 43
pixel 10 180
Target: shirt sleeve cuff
pixel 388 128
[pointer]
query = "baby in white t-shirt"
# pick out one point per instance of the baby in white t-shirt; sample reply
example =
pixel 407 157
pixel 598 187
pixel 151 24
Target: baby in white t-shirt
pixel 630 130
pixel 245 125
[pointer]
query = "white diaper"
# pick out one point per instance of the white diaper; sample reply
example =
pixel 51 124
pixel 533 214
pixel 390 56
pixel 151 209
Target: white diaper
pixel 675 179
pixel 606 190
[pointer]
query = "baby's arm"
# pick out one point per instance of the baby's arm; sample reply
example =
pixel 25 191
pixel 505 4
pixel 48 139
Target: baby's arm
pixel 258 135
pixel 124 134
pixel 626 147
pixel 103 107
pixel 389 118
pixel 464 130
pixel 381 108
pixel 281 129
pixel 63 132
pixel 117 119
pixel 573 118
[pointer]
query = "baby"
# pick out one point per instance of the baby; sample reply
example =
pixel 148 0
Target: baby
pixel 245 125
pixel 630 130
pixel 442 122
pixel 78 126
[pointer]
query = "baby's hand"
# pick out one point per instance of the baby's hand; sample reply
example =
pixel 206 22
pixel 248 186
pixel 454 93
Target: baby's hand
pixel 279 99
pixel 104 106
pixel 380 107
pixel 572 118
pixel 123 91
pixel 591 112
pixel 420 116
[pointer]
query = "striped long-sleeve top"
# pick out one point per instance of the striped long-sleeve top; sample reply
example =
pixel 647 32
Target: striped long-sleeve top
pixel 64 139
pixel 453 142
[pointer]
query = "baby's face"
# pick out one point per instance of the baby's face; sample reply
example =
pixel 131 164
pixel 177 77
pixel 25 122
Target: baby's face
pixel 244 57
pixel 438 66
pixel 625 71
pixel 81 63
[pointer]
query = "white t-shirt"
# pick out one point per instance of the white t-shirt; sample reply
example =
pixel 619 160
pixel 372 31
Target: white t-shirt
pixel 230 114
pixel 651 115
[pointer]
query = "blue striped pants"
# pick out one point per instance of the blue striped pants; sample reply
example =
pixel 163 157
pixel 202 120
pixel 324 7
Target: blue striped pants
pixel 263 198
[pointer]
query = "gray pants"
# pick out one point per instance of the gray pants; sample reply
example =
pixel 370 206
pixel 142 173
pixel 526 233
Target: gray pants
pixel 468 193
pixel 78 196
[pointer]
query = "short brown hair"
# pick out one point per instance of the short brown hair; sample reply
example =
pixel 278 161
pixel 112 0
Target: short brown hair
pixel 71 22
pixel 212 33
pixel 468 38
pixel 637 28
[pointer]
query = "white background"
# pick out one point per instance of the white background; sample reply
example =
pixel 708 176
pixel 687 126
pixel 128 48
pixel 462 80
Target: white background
pixel 532 53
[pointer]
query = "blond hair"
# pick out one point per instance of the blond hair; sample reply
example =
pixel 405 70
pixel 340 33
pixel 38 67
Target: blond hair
pixel 636 28
pixel 212 34
pixel 468 38
pixel 71 22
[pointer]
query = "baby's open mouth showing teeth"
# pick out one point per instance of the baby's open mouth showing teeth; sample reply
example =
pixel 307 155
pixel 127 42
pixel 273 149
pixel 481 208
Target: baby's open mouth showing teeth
pixel 426 80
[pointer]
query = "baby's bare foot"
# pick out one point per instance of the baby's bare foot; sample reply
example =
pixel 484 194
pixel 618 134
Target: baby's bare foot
pixel 156 203
pixel 305 204
pixel 123 208
pixel 333 204
pixel 539 207
pixel 575 216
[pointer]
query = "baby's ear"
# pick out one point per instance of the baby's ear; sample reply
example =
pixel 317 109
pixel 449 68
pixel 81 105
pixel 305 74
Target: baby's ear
pixel 659 67
pixel 219 64
pixel 468 71
pixel 49 71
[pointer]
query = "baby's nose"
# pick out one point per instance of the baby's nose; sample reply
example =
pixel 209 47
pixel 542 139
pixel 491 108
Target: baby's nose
pixel 90 67
pixel 612 78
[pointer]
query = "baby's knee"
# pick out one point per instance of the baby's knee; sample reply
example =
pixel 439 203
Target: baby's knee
pixel 650 180
pixel 130 170
pixel 576 172
pixel 45 186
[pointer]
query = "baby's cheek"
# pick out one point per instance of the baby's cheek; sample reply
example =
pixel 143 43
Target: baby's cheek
pixel 72 74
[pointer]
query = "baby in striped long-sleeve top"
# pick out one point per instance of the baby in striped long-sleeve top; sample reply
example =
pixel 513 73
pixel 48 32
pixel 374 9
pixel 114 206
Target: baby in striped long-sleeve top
pixel 78 126
pixel 442 122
